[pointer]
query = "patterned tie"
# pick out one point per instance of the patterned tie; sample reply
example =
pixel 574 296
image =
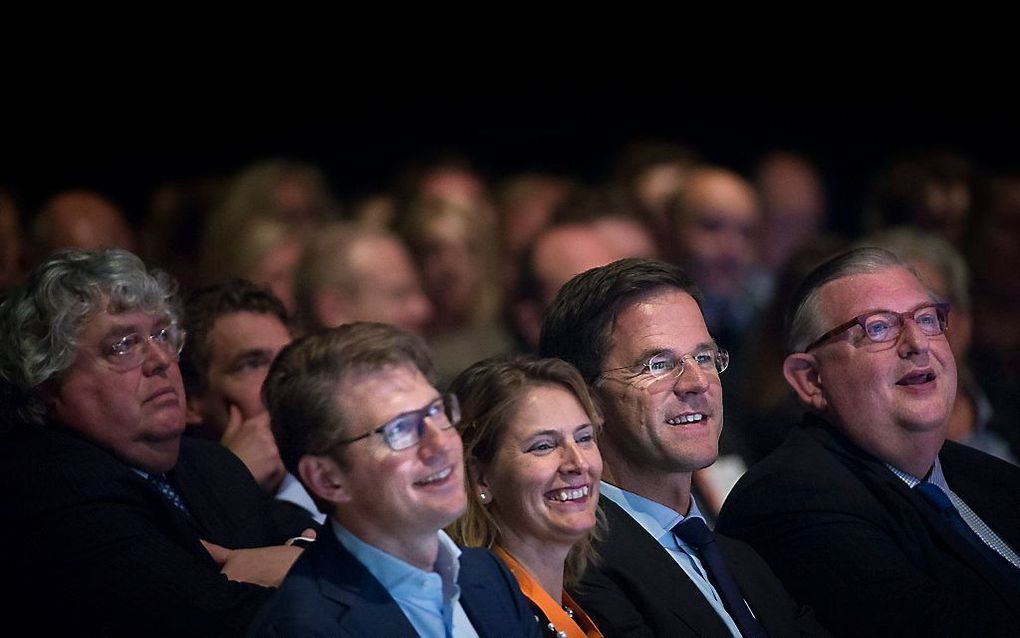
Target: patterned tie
pixel 162 484
pixel 940 501
pixel 695 533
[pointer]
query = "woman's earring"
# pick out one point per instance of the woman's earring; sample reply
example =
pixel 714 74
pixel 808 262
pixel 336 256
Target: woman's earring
pixel 483 497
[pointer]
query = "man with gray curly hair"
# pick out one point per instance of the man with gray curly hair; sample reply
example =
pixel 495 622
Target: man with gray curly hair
pixel 133 529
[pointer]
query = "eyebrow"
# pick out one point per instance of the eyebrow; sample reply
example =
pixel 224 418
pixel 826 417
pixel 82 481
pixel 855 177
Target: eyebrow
pixel 923 304
pixel 124 329
pixel 251 354
pixel 648 353
pixel 553 432
pixel 416 410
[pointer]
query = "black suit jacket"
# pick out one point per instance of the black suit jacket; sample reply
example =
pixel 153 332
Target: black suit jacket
pixel 93 549
pixel 869 554
pixel 329 592
pixel 637 589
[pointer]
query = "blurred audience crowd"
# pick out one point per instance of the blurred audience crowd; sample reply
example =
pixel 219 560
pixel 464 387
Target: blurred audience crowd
pixel 453 280
pixel 470 261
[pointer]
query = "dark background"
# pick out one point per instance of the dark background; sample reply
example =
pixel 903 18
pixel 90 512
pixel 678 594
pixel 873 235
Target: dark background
pixel 126 149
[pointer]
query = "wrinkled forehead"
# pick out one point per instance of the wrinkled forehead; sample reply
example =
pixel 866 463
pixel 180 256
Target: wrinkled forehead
pixel 102 323
pixel 897 289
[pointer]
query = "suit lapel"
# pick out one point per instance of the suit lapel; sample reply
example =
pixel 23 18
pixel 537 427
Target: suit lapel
pixel 476 594
pixel 200 497
pixel 629 548
pixel 365 608
pixel 925 520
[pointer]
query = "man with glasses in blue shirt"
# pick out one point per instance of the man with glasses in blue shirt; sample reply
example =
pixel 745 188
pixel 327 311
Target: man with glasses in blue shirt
pixel 358 419
pixel 866 511
pixel 635 330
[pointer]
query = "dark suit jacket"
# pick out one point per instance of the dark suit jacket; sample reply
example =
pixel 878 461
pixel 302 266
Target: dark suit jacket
pixel 637 589
pixel 871 556
pixel 93 549
pixel 329 592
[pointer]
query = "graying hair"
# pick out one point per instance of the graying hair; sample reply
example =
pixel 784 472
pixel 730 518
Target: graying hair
pixel 915 245
pixel 804 318
pixel 40 323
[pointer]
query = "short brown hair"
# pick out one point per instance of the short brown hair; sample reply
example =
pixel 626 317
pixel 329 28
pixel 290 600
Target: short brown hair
pixel 578 325
pixel 300 390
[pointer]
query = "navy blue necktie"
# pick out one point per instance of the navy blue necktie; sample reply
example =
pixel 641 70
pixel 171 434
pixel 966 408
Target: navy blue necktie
pixel 167 491
pixel 695 533
pixel 940 501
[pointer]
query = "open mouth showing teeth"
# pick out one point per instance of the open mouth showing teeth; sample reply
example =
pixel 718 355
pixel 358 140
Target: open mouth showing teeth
pixel 568 495
pixel 917 379
pixel 686 418
pixel 435 478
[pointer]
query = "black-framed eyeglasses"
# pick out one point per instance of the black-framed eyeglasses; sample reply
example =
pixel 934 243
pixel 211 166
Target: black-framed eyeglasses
pixel 128 351
pixel 405 430
pixel 667 367
pixel 884 326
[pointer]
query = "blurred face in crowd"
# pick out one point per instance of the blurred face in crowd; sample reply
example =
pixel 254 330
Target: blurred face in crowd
pixel 388 288
pixel 716 232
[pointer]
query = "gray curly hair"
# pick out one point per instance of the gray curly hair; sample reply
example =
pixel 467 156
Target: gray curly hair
pixel 40 323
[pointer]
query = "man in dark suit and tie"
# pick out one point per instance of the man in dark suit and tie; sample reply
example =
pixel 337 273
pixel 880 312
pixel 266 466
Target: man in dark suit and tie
pixel 114 525
pixel 634 329
pixel 866 511
pixel 358 419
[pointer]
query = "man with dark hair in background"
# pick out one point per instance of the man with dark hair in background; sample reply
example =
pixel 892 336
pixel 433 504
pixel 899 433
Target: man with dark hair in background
pixel 235 331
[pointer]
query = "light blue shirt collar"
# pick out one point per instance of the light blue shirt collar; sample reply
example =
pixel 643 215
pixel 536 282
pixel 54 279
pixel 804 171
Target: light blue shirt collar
pixel 656 518
pixel 292 491
pixel 429 600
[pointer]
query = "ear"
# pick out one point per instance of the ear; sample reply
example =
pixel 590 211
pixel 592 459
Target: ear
pixel 330 307
pixel 802 373
pixel 193 411
pixel 479 480
pixel 322 476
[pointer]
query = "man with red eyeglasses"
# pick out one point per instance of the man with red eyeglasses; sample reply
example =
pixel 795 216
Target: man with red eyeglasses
pixel 866 512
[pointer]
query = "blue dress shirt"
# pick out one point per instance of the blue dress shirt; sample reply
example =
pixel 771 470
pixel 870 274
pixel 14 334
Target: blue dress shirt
pixel 973 521
pixel 658 520
pixel 430 600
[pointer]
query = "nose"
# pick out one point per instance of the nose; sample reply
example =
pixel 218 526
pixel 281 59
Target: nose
pixel 434 441
pixel 573 460
pixel 692 378
pixel 156 359
pixel 912 340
